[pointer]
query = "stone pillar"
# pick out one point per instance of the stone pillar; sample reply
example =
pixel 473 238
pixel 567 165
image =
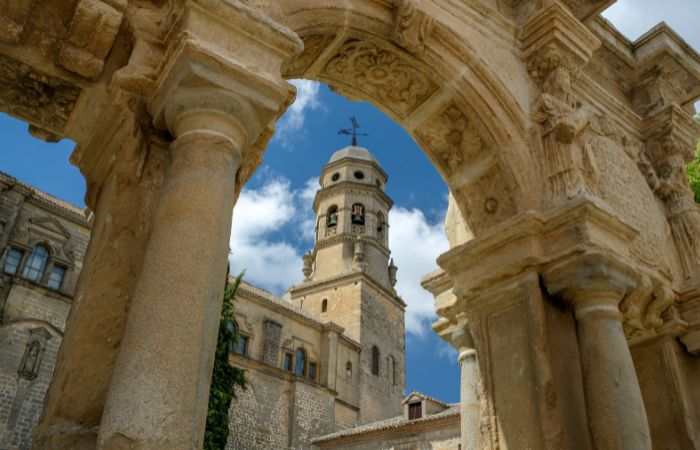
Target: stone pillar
pixel 159 391
pixel 470 382
pixel 220 88
pixel 594 285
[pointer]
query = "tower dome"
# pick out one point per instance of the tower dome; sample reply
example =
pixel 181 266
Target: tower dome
pixel 353 152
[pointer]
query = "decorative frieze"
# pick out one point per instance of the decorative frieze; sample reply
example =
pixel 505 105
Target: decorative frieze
pixel 383 75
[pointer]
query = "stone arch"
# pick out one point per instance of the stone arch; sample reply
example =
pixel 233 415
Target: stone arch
pixel 414 71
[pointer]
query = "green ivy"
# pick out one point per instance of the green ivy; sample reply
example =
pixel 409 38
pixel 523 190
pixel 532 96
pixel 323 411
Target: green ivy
pixel 225 377
pixel 692 171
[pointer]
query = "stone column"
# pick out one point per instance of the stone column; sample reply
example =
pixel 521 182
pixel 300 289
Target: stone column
pixel 594 285
pixel 470 382
pixel 159 390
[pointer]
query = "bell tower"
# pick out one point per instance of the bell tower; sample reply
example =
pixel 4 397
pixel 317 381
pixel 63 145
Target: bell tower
pixel 349 276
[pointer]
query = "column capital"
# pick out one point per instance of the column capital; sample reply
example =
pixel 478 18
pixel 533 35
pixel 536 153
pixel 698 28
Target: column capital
pixel 222 71
pixel 591 281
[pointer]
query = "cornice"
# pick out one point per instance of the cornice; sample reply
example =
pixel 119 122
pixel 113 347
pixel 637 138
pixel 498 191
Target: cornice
pixel 315 286
pixel 329 241
pixel 346 186
pixel 363 162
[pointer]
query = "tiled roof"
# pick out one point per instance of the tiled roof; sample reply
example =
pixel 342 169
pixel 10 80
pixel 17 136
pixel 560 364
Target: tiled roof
pixel 272 298
pixel 425 397
pixel 395 422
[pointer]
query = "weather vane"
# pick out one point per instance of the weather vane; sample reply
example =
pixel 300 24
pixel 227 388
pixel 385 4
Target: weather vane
pixel 352 131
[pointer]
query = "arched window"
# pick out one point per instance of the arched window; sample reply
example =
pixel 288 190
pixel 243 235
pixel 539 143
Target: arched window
pixel 381 222
pixel 348 369
pixel 392 371
pixel 238 343
pixel 358 214
pixel 332 216
pixel 324 305
pixel 300 362
pixel 375 360
pixel 36 263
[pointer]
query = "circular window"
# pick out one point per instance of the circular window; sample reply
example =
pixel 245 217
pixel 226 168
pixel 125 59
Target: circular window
pixel 359 174
pixel 335 177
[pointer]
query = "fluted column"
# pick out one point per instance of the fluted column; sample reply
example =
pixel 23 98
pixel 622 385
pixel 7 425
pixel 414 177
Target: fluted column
pixel 594 285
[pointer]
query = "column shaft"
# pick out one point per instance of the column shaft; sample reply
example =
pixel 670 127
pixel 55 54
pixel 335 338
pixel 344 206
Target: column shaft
pixel 158 395
pixel 615 410
pixel 469 399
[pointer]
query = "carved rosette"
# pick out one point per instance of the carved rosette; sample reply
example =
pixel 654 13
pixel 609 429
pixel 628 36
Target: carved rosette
pixel 451 137
pixel 381 74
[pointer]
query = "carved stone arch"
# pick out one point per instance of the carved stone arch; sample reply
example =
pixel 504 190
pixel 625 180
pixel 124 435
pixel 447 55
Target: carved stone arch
pixel 466 120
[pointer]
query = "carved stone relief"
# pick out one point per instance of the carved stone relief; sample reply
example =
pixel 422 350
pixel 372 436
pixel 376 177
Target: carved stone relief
pixel 92 32
pixel 13 18
pixel 34 96
pixel 381 74
pixel 488 199
pixel 411 27
pixel 451 137
pixel 313 46
pixel 668 157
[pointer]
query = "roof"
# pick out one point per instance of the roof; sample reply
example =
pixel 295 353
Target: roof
pixel 48 200
pixel 395 422
pixel 422 396
pixel 353 152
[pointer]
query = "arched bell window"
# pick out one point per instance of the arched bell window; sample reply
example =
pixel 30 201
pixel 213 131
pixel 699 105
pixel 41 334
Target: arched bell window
pixel 381 223
pixel 300 362
pixel 375 360
pixel 332 216
pixel 36 263
pixel 358 214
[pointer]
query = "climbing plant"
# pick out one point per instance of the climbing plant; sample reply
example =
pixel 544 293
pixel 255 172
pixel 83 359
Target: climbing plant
pixel 225 377
pixel 692 171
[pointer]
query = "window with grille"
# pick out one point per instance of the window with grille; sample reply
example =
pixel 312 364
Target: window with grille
pixel 56 277
pixel 36 263
pixel 12 260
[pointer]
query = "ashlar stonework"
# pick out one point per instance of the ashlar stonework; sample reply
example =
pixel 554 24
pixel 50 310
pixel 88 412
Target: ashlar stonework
pixel 575 301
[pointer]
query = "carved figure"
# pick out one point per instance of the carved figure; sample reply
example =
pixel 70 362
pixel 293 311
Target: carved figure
pixel 568 164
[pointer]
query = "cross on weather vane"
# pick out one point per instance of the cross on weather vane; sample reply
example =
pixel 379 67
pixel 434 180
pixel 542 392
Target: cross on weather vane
pixel 352 132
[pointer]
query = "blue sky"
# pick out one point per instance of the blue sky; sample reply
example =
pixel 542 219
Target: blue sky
pixel 273 221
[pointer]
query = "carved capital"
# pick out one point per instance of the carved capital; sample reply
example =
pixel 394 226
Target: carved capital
pixel 590 280
pixel 93 30
pixel 411 26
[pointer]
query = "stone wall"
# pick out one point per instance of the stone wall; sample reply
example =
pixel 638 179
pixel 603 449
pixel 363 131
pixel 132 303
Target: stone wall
pixel 439 436
pixel 32 314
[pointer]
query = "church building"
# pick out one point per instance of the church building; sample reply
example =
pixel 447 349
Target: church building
pixel 329 356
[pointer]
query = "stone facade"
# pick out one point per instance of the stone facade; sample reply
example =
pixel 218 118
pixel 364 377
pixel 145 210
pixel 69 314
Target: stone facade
pixel 34 304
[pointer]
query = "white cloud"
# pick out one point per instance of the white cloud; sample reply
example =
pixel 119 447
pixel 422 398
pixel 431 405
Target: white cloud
pixel 415 245
pixel 266 218
pixel 270 262
pixel 292 121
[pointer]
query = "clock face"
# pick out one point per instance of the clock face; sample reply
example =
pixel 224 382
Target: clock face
pixel 359 174
pixel 335 177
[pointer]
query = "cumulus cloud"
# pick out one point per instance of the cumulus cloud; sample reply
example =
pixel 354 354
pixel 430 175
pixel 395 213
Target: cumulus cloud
pixel 273 225
pixel 271 262
pixel 415 245
pixel 292 121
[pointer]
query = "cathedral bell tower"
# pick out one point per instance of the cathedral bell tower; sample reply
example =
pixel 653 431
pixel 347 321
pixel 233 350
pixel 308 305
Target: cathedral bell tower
pixel 349 277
